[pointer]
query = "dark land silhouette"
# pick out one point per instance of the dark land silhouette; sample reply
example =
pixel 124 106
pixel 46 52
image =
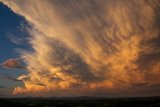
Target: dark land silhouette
pixel 80 102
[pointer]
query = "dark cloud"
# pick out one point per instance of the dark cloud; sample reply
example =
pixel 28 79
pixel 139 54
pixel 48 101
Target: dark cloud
pixel 141 84
pixel 40 84
pixel 63 56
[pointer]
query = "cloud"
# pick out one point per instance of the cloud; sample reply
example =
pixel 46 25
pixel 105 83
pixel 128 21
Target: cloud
pixel 96 47
pixel 16 40
pixel 12 63
pixel 22 38
pixel 140 84
pixel 9 77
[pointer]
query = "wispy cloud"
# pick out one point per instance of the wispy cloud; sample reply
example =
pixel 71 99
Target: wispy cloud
pixel 95 46
pixel 16 40
pixel 9 77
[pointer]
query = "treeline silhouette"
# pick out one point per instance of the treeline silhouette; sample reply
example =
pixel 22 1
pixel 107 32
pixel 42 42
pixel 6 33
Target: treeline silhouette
pixel 80 102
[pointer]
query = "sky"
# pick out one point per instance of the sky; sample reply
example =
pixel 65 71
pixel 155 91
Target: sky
pixel 101 48
pixel 9 28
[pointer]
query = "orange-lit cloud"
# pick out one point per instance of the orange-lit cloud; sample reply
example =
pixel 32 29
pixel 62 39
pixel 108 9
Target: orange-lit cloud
pixel 88 47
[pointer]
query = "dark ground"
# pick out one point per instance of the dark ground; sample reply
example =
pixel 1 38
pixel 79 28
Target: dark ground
pixel 80 102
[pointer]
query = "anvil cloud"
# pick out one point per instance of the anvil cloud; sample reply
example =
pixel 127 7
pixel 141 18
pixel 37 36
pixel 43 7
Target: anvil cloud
pixel 90 47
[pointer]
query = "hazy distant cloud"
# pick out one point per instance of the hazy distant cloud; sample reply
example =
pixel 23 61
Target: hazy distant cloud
pixel 89 47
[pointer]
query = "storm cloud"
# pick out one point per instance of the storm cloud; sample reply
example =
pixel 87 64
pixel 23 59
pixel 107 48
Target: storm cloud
pixel 90 47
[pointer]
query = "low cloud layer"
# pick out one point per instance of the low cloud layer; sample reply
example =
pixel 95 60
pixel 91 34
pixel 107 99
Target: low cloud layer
pixel 90 47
